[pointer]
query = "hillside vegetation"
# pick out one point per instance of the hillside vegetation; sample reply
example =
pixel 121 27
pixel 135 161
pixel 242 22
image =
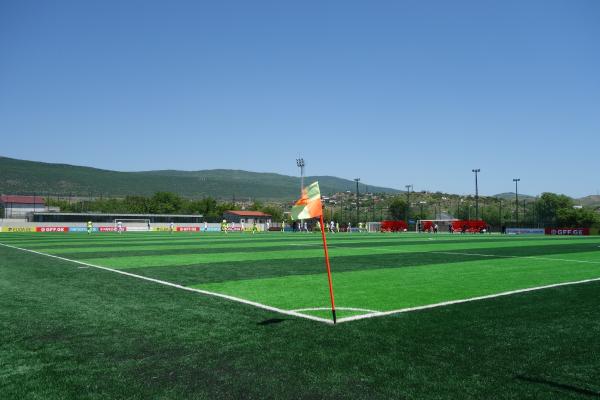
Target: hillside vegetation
pixel 20 176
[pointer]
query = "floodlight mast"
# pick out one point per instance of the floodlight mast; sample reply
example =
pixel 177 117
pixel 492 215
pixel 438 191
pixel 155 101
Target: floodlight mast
pixel 516 181
pixel 476 194
pixel 357 203
pixel 300 164
pixel 408 187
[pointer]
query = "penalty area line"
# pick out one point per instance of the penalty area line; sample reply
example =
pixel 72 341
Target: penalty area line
pixel 175 285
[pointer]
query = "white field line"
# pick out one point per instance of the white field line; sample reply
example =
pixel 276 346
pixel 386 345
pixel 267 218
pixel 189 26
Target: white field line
pixel 448 303
pixel 205 292
pixel 509 256
pixel 371 313
pixel 337 308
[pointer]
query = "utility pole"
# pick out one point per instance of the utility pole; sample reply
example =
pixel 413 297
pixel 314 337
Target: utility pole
pixel 516 181
pixel 357 203
pixel 421 203
pixel 408 187
pixel 476 194
pixel 500 212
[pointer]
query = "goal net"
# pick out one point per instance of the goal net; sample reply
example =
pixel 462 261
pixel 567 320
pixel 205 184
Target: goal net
pixel 373 226
pixel 428 225
pixel 133 225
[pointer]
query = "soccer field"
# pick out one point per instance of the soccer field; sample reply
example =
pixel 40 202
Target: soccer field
pixel 70 330
pixel 374 275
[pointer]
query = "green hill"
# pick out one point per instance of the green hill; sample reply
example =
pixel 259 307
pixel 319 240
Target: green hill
pixel 590 201
pixel 27 177
pixel 511 196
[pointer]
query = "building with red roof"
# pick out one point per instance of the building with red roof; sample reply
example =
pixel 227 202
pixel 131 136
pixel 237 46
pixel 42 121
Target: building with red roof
pixel 16 206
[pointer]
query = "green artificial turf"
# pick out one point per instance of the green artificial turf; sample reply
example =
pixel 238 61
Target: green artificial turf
pixel 68 331
pixel 374 272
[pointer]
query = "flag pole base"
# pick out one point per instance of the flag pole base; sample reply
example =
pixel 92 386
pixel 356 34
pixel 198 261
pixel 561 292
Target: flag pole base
pixel 334 317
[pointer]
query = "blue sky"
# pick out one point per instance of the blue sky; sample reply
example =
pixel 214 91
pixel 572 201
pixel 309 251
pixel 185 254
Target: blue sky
pixel 394 92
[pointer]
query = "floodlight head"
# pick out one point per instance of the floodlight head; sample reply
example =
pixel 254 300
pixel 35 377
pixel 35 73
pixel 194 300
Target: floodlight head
pixel 516 179
pixel 476 170
pixel 356 179
pixel 300 162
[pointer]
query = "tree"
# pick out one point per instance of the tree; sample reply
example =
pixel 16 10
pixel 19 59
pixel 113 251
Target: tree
pixel 136 204
pixel 165 203
pixel 549 204
pixel 576 217
pixel 398 208
pixel 274 211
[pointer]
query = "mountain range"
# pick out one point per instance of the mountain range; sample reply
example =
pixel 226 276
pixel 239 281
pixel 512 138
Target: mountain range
pixel 29 177
pixel 33 177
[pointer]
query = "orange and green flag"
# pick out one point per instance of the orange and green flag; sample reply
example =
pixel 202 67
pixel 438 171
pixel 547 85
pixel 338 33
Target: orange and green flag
pixel 309 205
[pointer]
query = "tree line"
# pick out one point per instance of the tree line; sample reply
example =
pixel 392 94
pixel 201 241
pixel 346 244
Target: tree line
pixel 550 209
pixel 160 203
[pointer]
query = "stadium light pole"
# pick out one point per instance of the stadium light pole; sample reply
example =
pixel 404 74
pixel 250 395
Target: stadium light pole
pixel 408 187
pixel 516 181
pixel 357 203
pixel 421 203
pixel 476 171
pixel 300 163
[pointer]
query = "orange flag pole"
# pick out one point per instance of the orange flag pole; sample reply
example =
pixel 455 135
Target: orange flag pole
pixel 328 269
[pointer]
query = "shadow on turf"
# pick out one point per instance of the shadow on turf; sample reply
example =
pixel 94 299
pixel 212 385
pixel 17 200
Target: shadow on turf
pixel 558 385
pixel 271 321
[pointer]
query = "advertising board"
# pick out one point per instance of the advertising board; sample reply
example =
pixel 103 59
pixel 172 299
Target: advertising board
pixel 525 231
pixel 568 231
pixel 188 229
pixel 17 229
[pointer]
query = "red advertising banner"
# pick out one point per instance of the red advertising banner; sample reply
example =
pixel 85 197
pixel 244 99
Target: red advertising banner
pixel 188 229
pixel 568 231
pixel 107 229
pixel 393 226
pixel 52 229
pixel 469 226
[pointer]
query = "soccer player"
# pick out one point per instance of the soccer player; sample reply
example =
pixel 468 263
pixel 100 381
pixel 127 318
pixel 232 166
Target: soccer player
pixel 205 226
pixel 171 227
pixel 282 226
pixel 349 229
pixel 224 226
pixel 268 226
pixel 332 226
pixel 254 228
pixel 120 227
pixel 90 227
pixel 337 227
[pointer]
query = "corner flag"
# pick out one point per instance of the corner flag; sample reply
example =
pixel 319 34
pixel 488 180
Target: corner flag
pixel 309 206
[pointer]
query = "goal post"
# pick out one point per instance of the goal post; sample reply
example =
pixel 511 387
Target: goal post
pixel 134 224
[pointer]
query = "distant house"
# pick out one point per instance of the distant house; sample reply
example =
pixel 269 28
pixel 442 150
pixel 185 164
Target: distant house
pixel 18 206
pixel 248 217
